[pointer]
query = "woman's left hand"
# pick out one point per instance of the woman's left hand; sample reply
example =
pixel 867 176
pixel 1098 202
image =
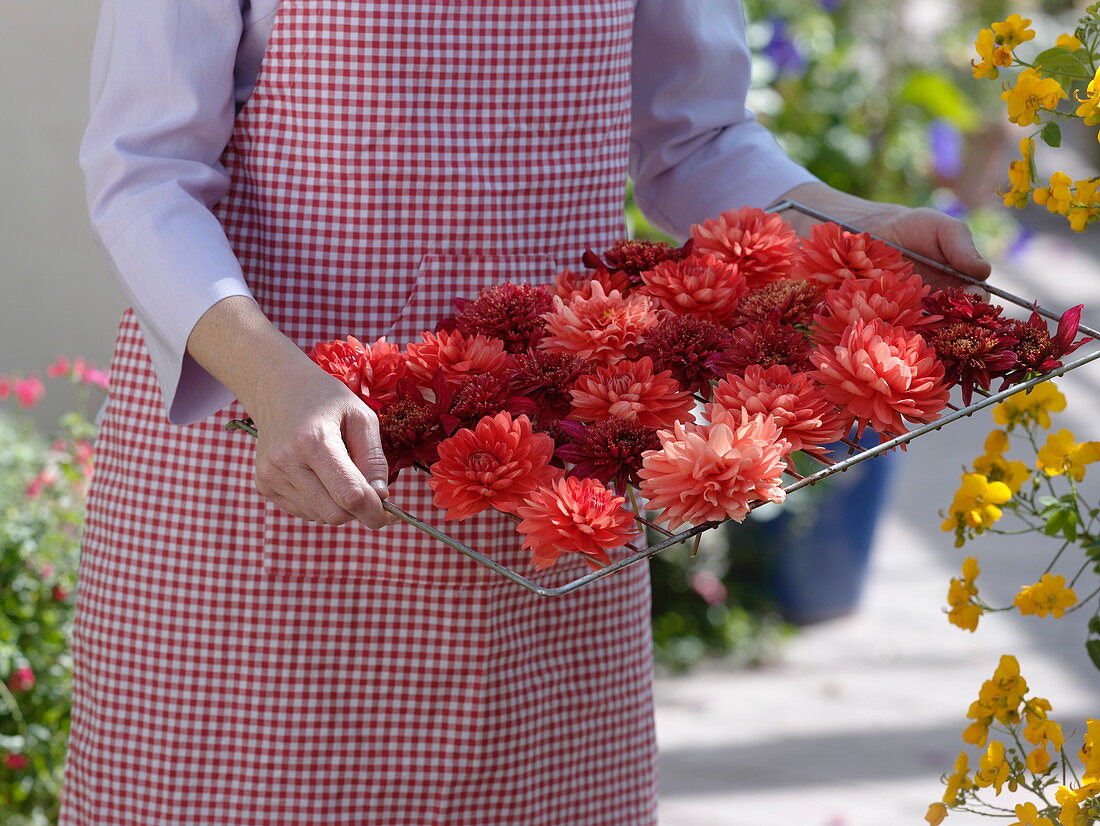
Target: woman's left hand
pixel 926 231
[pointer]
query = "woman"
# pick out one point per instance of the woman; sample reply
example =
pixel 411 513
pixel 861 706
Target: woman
pixel 264 175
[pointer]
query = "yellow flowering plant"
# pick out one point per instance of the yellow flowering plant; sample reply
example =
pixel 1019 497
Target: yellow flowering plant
pixel 1069 70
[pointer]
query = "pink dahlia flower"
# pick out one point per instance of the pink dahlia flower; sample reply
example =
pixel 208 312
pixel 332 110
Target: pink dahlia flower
pixel 895 298
pixel 700 286
pixel 832 255
pixel 457 355
pixel 630 390
pixel 762 245
pixel 604 328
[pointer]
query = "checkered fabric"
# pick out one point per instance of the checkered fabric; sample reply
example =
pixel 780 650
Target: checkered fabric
pixel 235 666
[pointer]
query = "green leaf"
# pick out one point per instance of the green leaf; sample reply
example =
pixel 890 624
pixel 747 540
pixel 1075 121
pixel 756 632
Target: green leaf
pixel 1052 135
pixel 1093 647
pixel 1094 625
pixel 1063 65
pixel 936 94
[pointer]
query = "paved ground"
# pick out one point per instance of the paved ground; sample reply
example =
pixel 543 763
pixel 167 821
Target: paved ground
pixel 855 724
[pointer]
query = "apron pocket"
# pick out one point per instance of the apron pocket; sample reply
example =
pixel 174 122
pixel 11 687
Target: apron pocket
pixel 309 550
pixel 444 276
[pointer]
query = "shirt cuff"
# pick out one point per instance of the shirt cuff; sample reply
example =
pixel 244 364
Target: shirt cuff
pixel 173 264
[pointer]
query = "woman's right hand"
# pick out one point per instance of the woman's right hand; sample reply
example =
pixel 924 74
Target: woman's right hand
pixel 319 455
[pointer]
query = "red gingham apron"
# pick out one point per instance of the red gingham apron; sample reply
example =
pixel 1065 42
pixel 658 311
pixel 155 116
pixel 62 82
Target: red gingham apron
pixel 235 666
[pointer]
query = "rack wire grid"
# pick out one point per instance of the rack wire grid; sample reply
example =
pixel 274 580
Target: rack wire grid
pixel 670 539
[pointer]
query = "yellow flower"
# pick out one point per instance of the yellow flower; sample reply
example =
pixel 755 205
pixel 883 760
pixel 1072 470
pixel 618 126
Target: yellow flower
pixel 1062 454
pixel 1058 196
pixel 1038 760
pixel 1028 815
pixel 936 814
pixel 975 505
pixel 1090 752
pixel 959 780
pixel 1000 697
pixel 1083 206
pixel 1047 596
pixel 1030 406
pixel 991 55
pixel 992 768
pixel 1019 177
pixel 1070 800
pixel 1013 31
pixel 1031 93
pixel 996 468
pixel 1089 103
pixel 1040 729
pixel 964 611
pixel 1068 41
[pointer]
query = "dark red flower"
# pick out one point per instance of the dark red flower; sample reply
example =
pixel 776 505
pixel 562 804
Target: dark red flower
pixel 635 257
pixel 956 304
pixel 766 343
pixel 484 395
pixel 686 346
pixel 972 355
pixel 609 450
pixel 795 301
pixel 546 378
pixel 1036 351
pixel 509 312
pixel 409 426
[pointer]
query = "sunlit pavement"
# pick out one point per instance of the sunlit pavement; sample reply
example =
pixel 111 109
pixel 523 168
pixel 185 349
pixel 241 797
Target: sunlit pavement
pixel 857 721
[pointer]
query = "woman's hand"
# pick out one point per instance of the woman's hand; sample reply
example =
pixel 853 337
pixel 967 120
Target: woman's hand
pixel 928 232
pixel 319 456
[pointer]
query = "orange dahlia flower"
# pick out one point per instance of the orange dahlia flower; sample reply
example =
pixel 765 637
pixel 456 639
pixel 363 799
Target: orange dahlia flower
pixel 604 328
pixel 896 298
pixel 630 390
pixel 574 516
pixel 762 245
pixel 832 255
pixel 797 403
pixel 495 465
pixel 882 375
pixel 457 355
pixel 700 286
pixel 704 473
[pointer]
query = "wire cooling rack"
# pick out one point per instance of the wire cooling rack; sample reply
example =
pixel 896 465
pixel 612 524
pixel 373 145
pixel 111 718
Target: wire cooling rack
pixel 670 539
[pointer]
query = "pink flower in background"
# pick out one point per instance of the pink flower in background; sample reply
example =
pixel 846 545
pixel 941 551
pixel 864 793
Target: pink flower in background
pixel 22 679
pixel 705 473
pixel 895 298
pixel 29 391
pixel 709 587
pixel 43 479
pixel 574 516
pixel 762 245
pixel 59 368
pixel 883 375
pixel 15 760
pixel 797 403
pixel 457 355
pixel 832 255
pixel 604 328
pixel 701 286
pixel 630 390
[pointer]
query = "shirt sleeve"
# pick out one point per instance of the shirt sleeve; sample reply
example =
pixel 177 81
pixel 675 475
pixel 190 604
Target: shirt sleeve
pixel 696 151
pixel 162 110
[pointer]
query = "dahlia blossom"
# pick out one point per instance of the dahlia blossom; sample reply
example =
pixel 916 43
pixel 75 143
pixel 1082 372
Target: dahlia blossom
pixel 894 297
pixel 603 328
pixel 705 473
pixel 792 302
pixel 568 285
pixel 687 347
pixel 1036 351
pixel 341 359
pixel 409 428
pixel 632 258
pixel 609 450
pixel 699 286
pixel 798 404
pixel 546 377
pixel 631 390
pixel 765 343
pixel 513 313
pixel 832 255
pixel 497 464
pixel 574 516
pixel 459 356
pixel 882 375
pixel 480 396
pixel 972 355
pixel 954 304
pixel 762 245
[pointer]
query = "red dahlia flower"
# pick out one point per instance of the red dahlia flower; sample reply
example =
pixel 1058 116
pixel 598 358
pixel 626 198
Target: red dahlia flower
pixel 574 516
pixel 832 255
pixel 1036 351
pixel 480 396
pixel 972 355
pixel 568 285
pixel 765 343
pixel 632 258
pixel 955 304
pixel 699 286
pixel 341 359
pixel 882 375
pixel 409 427
pixel 762 245
pixel 497 464
pixel 604 328
pixel 704 473
pixel 546 378
pixel 630 390
pixel 686 347
pixel 609 450
pixel 795 302
pixel 895 298
pixel 510 312
pixel 459 356
pixel 797 403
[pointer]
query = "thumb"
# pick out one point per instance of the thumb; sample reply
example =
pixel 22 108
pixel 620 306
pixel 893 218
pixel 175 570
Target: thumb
pixel 959 251
pixel 364 445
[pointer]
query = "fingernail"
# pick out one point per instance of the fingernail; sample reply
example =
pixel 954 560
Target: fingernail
pixel 379 486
